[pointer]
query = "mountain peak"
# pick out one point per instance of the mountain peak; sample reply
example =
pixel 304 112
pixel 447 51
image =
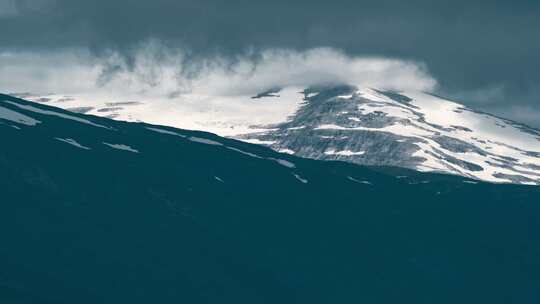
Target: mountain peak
pixel 366 126
pixel 415 130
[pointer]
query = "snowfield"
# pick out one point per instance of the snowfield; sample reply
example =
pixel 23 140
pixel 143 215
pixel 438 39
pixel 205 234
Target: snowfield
pixel 360 125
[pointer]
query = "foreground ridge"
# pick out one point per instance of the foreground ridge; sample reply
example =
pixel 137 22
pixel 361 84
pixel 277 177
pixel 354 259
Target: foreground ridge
pixel 94 210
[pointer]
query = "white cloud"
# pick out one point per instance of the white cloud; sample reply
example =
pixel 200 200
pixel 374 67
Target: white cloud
pixel 211 94
pixel 282 68
pixel 158 73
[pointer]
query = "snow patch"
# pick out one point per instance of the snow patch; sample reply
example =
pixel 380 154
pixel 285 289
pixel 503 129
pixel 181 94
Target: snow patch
pixel 302 180
pixel 164 131
pixel 284 163
pixel 344 152
pixel 287 151
pixel 296 128
pixel 359 181
pixel 72 142
pixel 121 147
pixel 51 113
pixel 205 141
pixel 244 152
pixel 258 142
pixel 17 117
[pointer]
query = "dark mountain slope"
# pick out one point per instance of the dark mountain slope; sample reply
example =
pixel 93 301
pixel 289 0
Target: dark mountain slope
pixel 194 218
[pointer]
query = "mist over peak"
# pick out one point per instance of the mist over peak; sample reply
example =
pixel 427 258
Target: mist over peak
pixel 160 72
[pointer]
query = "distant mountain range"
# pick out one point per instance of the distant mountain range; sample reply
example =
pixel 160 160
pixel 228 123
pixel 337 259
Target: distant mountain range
pixel 365 126
pixel 94 210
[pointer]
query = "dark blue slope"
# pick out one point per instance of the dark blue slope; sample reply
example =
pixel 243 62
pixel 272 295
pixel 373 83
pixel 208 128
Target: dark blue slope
pixel 188 221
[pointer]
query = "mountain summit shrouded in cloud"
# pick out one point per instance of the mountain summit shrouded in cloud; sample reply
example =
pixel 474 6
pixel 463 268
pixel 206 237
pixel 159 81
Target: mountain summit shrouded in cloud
pixel 481 52
pixel 204 64
pixel 258 151
pixel 154 73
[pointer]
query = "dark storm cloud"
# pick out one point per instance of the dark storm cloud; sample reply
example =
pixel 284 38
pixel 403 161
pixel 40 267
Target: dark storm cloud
pixel 484 51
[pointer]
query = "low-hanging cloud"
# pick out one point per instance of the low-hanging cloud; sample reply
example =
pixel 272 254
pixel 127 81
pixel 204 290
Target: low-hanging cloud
pixel 282 68
pixel 153 72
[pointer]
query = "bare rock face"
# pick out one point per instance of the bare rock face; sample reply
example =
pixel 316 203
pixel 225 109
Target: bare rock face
pixel 406 129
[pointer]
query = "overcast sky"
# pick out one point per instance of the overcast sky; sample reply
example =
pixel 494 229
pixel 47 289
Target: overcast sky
pixel 483 53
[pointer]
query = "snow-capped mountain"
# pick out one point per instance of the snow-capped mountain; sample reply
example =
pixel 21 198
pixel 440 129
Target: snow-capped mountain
pixel 412 129
pixel 361 125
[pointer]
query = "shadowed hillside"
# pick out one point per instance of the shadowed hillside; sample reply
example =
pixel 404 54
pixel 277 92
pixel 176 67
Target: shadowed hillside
pixel 100 211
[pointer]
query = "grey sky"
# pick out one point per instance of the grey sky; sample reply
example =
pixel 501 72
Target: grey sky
pixel 484 53
pixel 8 8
